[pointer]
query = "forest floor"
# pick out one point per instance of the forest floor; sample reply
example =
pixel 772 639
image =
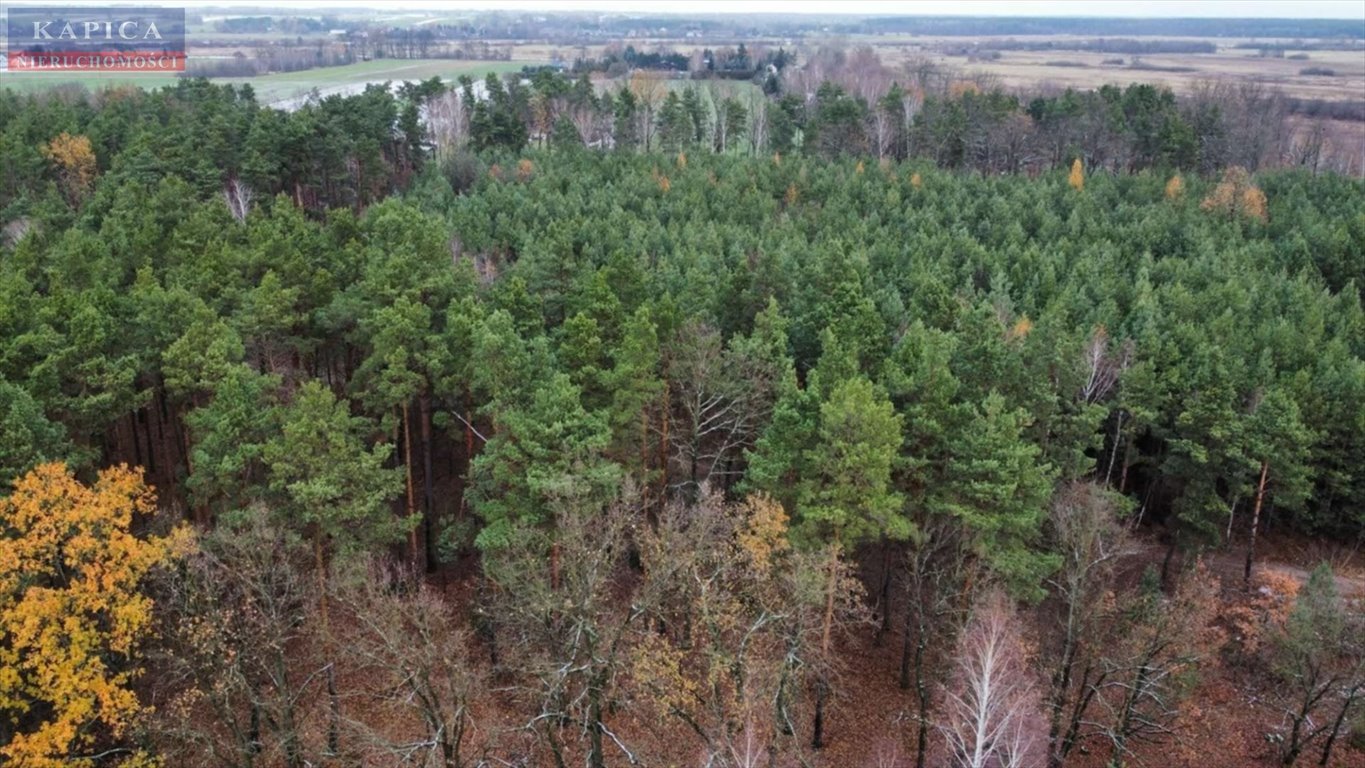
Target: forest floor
pixel 872 722
pixel 1224 724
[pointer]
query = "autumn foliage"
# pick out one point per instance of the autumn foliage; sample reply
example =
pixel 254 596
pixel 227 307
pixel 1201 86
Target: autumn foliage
pixel 525 169
pixel 1175 188
pixel 1237 196
pixel 1077 176
pixel 71 610
pixel 75 161
pixel 959 88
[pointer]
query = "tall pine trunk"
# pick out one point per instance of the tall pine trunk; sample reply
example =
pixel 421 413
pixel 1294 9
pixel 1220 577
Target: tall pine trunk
pixel 885 599
pixel 1351 695
pixel 428 497
pixel 1255 521
pixel 407 472
pixel 826 635
pixel 663 442
pixel 831 586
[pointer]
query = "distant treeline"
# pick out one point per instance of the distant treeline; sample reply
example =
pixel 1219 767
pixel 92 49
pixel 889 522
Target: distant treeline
pixel 291 24
pixel 1300 45
pixel 1107 45
pixel 1329 110
pixel 970 25
pixel 289 57
pixel 281 57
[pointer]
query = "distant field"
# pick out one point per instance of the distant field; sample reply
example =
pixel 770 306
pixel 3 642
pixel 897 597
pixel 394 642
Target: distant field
pixel 1023 70
pixel 28 82
pixel 285 85
pixel 294 84
pixel 1029 69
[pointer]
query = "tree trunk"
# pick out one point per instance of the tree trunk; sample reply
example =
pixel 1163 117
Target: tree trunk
pixel 817 740
pixel 468 429
pixel 1166 562
pixel 1340 720
pixel 1123 476
pixel 1255 522
pixel 1061 683
pixel 553 739
pixel 428 497
pixel 554 566
pixel 1130 702
pixel 644 442
pixel 693 448
pixel 1114 452
pixel 1295 745
pixel 137 442
pixel 334 714
pixel 596 759
pixel 253 737
pixel 885 599
pixel 780 700
pixel 321 566
pixel 922 694
pixel 1087 691
pixel 826 635
pixel 152 443
pixel 663 442
pixel 831 585
pixel 910 611
pixel 407 473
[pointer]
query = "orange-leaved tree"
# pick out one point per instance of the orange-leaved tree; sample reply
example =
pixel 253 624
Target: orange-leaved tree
pixel 1175 188
pixel 1236 195
pixel 76 166
pixel 72 612
pixel 1077 176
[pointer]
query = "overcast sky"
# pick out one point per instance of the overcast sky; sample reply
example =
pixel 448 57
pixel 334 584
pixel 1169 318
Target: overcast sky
pixel 1338 9
pixel 1295 9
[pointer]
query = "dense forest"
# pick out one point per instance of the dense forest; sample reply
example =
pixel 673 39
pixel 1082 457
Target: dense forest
pixel 403 431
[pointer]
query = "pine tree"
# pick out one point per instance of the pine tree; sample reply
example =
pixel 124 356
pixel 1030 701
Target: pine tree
pixel 325 481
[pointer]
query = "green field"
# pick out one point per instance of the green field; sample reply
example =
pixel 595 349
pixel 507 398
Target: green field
pixel 27 82
pixel 285 85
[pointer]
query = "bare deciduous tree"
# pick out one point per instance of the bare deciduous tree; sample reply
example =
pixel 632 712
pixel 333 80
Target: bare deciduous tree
pixel 935 579
pixel 758 121
pixel 411 656
pixel 238 197
pixel 992 713
pixel 569 640
pixel 1158 640
pixel 1085 529
pixel 722 395
pixel 447 120
pixel 739 639
pixel 718 669
pixel 238 666
pixel 649 90
pixel 1320 665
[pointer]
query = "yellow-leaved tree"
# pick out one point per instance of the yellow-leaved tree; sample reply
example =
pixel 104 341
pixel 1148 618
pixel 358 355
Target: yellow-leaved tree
pixel 75 160
pixel 1236 195
pixel 72 611
pixel 1077 176
pixel 525 169
pixel 1175 188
